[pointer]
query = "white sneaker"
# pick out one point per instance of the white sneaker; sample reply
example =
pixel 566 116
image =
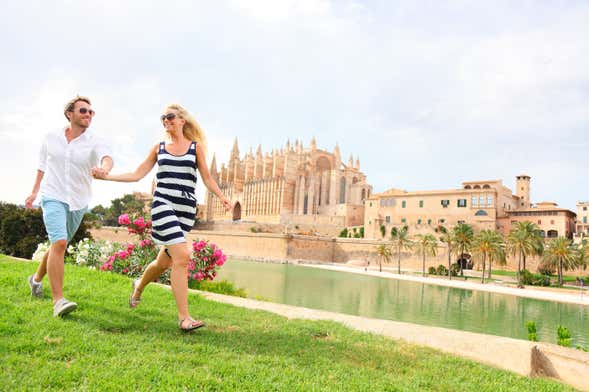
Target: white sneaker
pixel 63 307
pixel 36 288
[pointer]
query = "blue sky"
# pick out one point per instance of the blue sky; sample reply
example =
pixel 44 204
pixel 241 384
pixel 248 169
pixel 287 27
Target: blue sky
pixel 426 93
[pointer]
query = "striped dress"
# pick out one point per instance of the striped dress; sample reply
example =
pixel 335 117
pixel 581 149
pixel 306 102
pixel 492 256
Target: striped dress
pixel 173 209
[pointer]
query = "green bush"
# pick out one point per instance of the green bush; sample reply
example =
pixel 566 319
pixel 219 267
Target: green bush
pixel 442 270
pixel 563 336
pixel 21 230
pixel 546 269
pixel 532 336
pixel 344 233
pixel 220 287
pixel 531 279
pixel 455 269
pixel 432 270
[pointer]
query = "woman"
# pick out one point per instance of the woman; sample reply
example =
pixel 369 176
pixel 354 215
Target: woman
pixel 174 206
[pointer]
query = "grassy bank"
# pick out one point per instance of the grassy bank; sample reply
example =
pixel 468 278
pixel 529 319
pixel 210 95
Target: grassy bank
pixel 106 346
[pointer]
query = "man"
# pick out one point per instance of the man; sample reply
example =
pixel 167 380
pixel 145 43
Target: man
pixel 64 177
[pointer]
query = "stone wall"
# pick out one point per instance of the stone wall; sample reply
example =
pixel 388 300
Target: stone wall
pixel 312 249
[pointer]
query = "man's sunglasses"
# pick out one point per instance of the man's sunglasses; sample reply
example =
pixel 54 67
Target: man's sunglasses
pixel 84 111
pixel 169 116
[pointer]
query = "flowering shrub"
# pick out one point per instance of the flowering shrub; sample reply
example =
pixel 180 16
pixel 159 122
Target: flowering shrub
pixel 90 253
pixel 41 249
pixel 132 259
pixel 138 226
pixel 206 259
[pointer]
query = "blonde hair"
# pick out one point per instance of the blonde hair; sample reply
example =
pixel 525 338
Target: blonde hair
pixel 191 129
pixel 69 107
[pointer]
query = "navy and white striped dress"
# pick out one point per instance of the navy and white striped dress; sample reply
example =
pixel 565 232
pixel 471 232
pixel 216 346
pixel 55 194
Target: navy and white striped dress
pixel 173 209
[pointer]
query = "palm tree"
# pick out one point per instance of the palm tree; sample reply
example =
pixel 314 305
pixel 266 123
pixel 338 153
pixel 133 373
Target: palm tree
pixel 532 231
pixel 447 237
pixel 489 244
pixel 401 242
pixel 524 239
pixel 583 254
pixel 426 244
pixel 499 256
pixel 563 254
pixel 384 253
pixel 463 236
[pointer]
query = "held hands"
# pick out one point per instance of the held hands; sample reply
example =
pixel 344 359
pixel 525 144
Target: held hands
pixel 99 173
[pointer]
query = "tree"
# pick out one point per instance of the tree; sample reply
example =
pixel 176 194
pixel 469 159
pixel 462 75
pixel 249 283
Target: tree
pixel 562 253
pixel 128 204
pixel 384 253
pixel 532 231
pixel 401 242
pixel 490 245
pixel 524 239
pixel 463 236
pixel 426 245
pixel 447 237
pixel 383 230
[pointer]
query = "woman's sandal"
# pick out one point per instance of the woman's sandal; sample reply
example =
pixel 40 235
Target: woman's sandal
pixel 133 302
pixel 194 324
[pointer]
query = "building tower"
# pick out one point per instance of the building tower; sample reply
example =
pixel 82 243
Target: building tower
pixel 522 189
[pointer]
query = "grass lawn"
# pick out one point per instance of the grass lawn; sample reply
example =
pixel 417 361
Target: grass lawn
pixel 106 346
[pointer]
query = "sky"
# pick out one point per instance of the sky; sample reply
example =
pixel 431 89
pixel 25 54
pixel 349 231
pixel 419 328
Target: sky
pixel 426 94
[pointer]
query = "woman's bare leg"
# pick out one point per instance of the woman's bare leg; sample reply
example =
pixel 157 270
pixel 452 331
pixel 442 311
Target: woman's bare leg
pixel 153 270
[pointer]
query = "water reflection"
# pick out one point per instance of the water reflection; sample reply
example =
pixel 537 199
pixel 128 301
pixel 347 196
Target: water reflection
pixel 413 302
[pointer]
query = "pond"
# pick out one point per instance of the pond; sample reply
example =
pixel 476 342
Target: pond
pixel 412 302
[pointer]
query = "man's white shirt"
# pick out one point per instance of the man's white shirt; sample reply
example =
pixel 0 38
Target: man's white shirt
pixel 67 166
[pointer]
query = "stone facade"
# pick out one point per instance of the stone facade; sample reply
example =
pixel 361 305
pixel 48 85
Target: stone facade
pixel 291 185
pixel 482 204
pixel 582 224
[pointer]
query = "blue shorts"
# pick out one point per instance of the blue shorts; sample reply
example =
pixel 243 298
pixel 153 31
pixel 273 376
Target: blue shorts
pixel 60 222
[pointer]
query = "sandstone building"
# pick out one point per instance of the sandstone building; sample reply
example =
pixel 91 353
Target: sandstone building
pixel 482 204
pixel 289 186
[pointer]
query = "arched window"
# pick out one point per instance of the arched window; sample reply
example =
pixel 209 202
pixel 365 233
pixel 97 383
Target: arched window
pixel 481 213
pixel 342 190
pixel 305 204
pixel 476 187
pixel 486 186
pixel 542 233
pixel 552 233
pixel 467 187
pixel 363 194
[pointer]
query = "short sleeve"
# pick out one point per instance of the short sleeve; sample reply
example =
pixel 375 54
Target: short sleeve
pixel 102 149
pixel 43 154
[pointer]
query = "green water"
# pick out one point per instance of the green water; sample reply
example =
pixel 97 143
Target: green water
pixel 419 303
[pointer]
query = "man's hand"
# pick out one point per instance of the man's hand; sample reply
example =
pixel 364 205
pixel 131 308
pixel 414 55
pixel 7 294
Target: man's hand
pixel 30 200
pixel 99 173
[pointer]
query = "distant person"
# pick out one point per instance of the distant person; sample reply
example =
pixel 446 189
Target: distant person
pixel 173 210
pixel 67 160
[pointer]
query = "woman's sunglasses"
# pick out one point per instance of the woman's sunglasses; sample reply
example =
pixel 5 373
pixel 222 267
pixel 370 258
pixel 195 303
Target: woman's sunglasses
pixel 169 116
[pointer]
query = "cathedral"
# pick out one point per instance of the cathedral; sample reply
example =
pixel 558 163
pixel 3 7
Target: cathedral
pixel 292 185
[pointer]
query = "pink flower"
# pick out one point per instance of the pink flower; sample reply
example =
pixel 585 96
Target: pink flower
pixel 191 266
pixel 217 253
pixel 199 276
pixel 130 247
pixel 140 222
pixel 220 261
pixel 125 271
pixel 124 219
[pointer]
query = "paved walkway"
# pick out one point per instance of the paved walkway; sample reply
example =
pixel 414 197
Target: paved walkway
pixel 544 293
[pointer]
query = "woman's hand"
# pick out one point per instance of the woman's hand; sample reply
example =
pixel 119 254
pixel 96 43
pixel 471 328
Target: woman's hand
pixel 226 204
